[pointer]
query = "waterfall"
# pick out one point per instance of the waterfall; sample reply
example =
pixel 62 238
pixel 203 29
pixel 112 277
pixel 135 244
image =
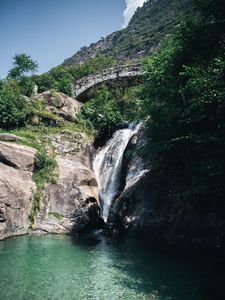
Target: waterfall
pixel 108 166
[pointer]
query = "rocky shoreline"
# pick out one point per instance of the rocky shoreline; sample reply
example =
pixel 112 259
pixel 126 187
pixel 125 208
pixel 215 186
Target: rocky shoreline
pixel 71 204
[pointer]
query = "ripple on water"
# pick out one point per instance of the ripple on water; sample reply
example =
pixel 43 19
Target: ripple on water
pixel 59 267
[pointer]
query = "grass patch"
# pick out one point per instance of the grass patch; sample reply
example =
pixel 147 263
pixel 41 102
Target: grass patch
pixel 56 215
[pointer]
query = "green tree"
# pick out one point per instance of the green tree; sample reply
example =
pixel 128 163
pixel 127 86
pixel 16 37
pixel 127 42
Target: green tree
pixel 23 65
pixel 63 79
pixel 1 84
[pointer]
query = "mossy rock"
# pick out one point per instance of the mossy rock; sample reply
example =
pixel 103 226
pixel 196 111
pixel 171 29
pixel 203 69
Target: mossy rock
pixel 57 100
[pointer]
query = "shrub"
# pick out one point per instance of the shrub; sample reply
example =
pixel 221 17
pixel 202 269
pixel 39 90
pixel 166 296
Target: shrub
pixel 45 172
pixel 102 112
pixel 44 82
pixel 56 215
pixel 27 86
pixel 14 109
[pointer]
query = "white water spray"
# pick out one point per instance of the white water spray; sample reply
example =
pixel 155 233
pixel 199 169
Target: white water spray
pixel 108 166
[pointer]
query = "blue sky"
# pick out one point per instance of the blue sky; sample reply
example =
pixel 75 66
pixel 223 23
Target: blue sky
pixel 53 30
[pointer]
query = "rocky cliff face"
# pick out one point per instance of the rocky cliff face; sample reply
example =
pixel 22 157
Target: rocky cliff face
pixel 16 188
pixel 141 209
pixel 70 205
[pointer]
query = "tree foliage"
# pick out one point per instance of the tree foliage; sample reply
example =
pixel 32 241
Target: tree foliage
pixel 23 64
pixel 184 98
pixel 102 113
pixel 14 109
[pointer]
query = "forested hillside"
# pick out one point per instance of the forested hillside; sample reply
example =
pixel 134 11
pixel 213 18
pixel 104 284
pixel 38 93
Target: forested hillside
pixel 144 34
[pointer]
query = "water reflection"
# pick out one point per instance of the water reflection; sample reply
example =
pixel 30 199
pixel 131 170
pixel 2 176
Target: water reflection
pixel 139 271
pixel 95 267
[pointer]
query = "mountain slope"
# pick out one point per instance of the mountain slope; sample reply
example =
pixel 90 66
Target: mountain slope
pixel 144 34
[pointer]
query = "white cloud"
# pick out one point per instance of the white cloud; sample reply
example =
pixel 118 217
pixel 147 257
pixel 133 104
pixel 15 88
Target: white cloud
pixel 131 6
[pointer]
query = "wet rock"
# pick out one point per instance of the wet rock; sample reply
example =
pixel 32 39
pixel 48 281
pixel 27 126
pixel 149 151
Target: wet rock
pixel 128 207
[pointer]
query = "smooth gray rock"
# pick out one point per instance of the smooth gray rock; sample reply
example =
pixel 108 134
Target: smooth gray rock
pixel 16 194
pixel 8 137
pixel 72 204
pixel 18 156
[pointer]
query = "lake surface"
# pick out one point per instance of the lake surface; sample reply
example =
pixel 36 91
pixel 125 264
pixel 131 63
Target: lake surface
pixel 60 267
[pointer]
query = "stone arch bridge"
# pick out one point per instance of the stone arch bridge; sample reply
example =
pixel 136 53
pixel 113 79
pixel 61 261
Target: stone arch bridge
pixel 127 75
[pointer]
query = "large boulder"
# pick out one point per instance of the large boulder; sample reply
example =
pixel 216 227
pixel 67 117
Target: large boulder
pixel 18 156
pixel 16 188
pixel 71 204
pixel 59 103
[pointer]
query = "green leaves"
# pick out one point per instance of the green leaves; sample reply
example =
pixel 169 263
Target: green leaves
pixel 184 97
pixel 23 64
pixel 102 112
pixel 14 110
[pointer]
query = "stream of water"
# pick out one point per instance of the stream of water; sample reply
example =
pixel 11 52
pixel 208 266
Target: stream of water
pixel 108 164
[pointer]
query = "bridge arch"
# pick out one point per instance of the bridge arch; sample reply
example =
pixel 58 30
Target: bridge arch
pixel 130 74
